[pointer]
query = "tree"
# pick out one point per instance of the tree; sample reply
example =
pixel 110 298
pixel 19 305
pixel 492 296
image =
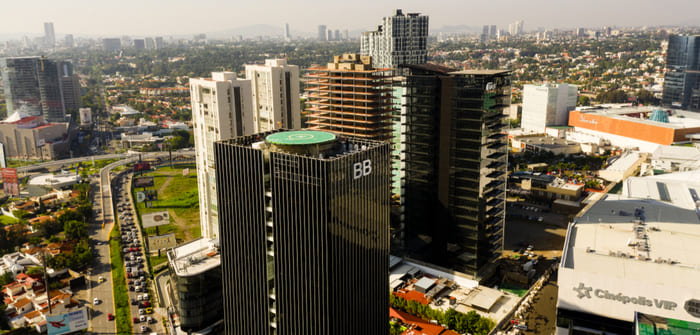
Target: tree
pixel 6 278
pixel 35 270
pixel 584 101
pixel 75 230
pixel 20 214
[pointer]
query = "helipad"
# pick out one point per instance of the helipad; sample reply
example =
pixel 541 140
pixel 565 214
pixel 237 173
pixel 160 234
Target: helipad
pixel 300 137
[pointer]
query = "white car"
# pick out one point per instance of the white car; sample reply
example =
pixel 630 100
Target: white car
pixel 144 329
pixel 96 301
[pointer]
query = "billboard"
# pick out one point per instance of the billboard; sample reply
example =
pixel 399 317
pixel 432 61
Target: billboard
pixel 147 195
pixel 158 242
pixel 155 219
pixel 3 158
pixel 143 182
pixel 142 166
pixel 9 181
pixel 67 322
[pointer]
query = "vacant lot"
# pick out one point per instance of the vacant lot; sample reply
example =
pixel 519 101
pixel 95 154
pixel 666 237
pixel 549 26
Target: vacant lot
pixel 178 194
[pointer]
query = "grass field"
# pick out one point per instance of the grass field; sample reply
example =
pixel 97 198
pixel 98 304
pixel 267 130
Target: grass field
pixel 178 194
pixel 121 295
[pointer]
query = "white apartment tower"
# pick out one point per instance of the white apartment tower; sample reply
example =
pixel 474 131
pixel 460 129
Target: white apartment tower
pixel 400 39
pixel 547 105
pixel 275 87
pixel 222 108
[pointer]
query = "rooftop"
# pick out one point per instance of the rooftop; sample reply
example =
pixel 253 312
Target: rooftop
pixel 481 72
pixel 449 287
pixel 300 137
pixel 195 257
pixel 650 232
pixel 677 119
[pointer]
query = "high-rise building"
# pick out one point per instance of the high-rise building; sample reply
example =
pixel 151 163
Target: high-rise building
pixel 547 105
pixel 681 81
pixel 111 44
pixel 159 42
pixel 69 42
pixel 322 33
pixel 49 35
pixel 484 34
pixel 150 44
pixel 400 39
pixel 35 85
pixel 329 35
pixel 336 35
pixel 350 97
pixel 221 108
pixel 287 33
pixel 304 233
pixel 70 87
pixel 275 87
pixel 493 31
pixel 455 162
pixel 139 44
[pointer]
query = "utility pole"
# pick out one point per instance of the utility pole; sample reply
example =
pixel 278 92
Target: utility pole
pixel 46 280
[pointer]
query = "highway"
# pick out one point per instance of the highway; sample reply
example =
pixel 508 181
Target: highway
pixel 71 161
pixel 102 264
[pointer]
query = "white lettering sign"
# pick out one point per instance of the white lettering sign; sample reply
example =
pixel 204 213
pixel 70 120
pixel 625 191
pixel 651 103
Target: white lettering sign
pixel 361 169
pixel 584 291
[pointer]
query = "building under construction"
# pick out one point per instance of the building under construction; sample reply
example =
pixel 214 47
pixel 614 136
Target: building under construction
pixel 349 97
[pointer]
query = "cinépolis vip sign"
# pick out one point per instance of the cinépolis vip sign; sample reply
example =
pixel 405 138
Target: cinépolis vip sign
pixel 589 292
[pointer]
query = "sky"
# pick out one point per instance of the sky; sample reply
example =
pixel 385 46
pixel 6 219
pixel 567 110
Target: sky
pixel 140 18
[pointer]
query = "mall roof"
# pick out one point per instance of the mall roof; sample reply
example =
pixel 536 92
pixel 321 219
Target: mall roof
pixel 650 232
pixel 679 119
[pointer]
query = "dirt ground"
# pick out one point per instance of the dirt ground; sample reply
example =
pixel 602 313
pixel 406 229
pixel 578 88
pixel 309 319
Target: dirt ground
pixel 547 239
pixel 543 318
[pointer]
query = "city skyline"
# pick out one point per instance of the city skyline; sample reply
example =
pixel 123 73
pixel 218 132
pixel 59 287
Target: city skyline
pixel 182 18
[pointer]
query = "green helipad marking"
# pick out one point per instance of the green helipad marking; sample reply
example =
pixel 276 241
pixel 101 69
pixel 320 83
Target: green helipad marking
pixel 297 137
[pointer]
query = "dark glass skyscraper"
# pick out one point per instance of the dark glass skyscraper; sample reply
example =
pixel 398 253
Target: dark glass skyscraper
pixel 35 84
pixel 681 81
pixel 455 160
pixel 304 230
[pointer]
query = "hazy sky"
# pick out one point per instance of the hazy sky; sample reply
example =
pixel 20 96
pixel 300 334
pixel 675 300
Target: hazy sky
pixel 174 17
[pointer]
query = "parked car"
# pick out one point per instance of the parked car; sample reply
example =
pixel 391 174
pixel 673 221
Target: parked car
pixel 144 329
pixel 134 301
pixel 110 317
pixel 96 301
pixel 136 320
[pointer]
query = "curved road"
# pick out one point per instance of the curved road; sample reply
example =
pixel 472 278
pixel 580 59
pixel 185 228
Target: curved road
pixel 70 161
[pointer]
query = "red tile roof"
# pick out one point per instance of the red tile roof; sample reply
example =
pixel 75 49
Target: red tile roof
pixel 418 326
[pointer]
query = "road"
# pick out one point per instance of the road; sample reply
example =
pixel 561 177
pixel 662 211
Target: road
pixel 71 161
pixel 102 264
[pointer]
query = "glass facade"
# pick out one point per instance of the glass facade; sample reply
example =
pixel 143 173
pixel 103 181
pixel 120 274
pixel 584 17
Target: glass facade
pixel 455 160
pixel 304 238
pixel 36 86
pixel 682 78
pixel 197 298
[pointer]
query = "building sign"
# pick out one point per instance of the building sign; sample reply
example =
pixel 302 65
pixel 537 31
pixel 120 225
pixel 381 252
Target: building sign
pixel 10 184
pixel 147 195
pixel 158 242
pixel 584 120
pixel 588 292
pixel 692 306
pixel 155 219
pixel 67 322
pixel 143 182
pixel 361 169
